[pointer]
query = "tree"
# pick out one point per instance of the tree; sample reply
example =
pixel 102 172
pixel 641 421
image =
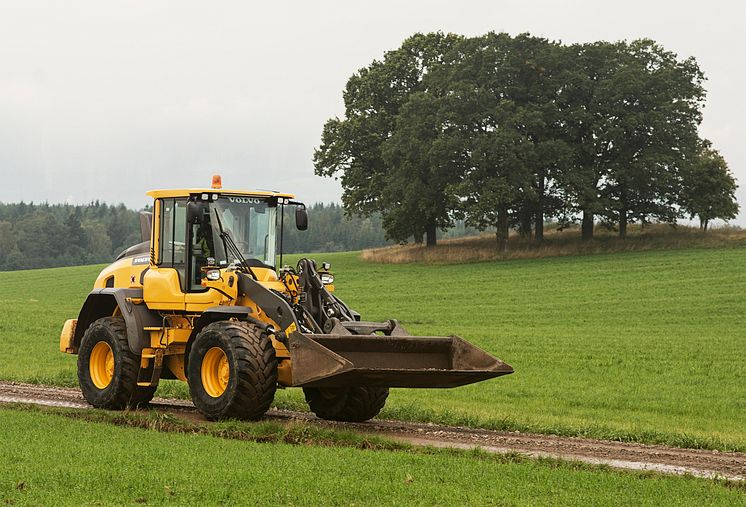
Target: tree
pixel 652 104
pixel 632 111
pixel 75 235
pixel 585 118
pixel 40 237
pixel 502 118
pixel 496 170
pixel 708 188
pixel 498 179
pixel 7 241
pixel 98 242
pixel 423 154
pixel 537 74
pixel 353 148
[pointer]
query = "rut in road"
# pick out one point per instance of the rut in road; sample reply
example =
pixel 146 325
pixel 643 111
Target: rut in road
pixel 658 458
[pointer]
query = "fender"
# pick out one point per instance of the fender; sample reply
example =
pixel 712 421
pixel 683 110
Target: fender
pixel 273 305
pixel 103 302
pixel 216 313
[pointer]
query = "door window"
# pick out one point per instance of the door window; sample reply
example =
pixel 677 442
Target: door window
pixel 173 236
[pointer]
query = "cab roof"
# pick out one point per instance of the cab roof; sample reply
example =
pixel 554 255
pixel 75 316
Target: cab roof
pixel 186 192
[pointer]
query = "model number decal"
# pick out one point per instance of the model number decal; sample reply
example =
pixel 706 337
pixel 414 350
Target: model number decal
pixel 143 259
pixel 245 200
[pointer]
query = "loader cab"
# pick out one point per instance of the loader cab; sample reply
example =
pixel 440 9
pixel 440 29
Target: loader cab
pixel 198 229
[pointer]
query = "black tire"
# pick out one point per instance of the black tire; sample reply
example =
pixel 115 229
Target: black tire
pixel 122 392
pixel 349 404
pixel 252 379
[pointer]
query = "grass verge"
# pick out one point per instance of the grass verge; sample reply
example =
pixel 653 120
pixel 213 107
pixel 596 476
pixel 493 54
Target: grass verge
pixel 293 432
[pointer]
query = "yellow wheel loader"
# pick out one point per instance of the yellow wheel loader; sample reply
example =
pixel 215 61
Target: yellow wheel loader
pixel 200 300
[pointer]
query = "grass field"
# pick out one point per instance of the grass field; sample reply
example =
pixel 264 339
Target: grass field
pixel 646 346
pixel 48 459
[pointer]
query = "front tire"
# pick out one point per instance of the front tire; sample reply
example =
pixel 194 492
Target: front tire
pixel 232 371
pixel 348 404
pixel 107 369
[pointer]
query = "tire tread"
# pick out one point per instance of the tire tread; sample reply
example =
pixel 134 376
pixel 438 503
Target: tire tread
pixel 126 393
pixel 256 378
pixel 351 404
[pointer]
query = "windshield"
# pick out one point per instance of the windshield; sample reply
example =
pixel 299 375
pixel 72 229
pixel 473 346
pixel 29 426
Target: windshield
pixel 249 221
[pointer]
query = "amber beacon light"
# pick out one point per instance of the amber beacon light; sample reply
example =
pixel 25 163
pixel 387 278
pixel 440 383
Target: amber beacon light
pixel 217 181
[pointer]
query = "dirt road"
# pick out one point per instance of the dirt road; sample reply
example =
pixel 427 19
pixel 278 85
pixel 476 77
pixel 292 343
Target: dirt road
pixel 657 458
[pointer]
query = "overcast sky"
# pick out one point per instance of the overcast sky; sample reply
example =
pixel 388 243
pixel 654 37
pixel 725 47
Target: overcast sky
pixel 106 100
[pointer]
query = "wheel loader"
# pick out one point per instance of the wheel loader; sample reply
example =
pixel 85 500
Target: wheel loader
pixel 200 300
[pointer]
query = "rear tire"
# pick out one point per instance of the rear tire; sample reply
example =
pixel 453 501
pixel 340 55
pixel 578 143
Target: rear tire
pixel 107 369
pixel 232 371
pixel 348 404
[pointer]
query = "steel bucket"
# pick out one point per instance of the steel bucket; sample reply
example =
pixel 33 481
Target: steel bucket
pixel 393 359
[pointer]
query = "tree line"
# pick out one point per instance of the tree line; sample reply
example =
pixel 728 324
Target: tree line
pixel 509 132
pixel 331 229
pixel 52 235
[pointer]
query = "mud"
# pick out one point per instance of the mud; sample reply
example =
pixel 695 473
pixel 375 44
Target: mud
pixel 657 458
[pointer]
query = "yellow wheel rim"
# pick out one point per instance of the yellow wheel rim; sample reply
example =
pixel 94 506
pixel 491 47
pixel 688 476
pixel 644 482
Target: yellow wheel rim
pixel 101 365
pixel 215 372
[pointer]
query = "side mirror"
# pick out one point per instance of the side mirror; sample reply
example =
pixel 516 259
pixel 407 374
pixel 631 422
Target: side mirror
pixel 301 217
pixel 194 210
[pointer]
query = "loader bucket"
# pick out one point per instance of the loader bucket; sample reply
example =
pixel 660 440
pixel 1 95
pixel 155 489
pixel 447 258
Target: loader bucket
pixel 395 360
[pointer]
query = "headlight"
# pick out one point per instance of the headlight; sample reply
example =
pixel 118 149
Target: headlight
pixel 327 278
pixel 213 275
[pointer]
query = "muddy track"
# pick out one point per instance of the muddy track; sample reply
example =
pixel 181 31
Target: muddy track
pixel 701 463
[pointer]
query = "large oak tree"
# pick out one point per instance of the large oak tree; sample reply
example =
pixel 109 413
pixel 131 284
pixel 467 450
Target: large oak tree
pixel 652 110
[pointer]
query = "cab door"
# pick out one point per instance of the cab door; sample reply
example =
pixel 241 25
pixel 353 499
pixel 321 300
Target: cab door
pixel 163 283
pixel 201 237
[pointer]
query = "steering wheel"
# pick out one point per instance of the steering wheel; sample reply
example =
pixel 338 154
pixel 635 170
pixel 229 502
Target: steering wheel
pixel 243 246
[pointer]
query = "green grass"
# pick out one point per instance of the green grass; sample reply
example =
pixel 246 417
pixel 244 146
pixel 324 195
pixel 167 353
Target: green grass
pixel 640 346
pixel 49 459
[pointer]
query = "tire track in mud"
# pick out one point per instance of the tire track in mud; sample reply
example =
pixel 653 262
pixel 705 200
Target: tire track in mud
pixel 632 456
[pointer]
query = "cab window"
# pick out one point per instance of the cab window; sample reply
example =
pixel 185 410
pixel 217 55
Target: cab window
pixel 173 237
pixel 202 236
